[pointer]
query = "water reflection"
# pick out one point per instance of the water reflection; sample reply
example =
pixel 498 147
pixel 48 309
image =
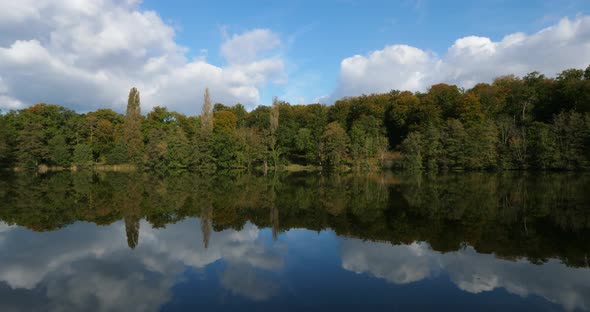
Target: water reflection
pixel 84 267
pixel 469 271
pixel 136 242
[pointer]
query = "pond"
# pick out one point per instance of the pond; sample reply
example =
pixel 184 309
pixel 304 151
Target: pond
pixel 430 242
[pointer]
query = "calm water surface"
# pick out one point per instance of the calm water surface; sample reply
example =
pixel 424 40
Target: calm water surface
pixel 133 242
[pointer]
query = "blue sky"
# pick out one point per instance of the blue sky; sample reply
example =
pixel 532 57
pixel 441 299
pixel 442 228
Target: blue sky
pixel 319 34
pixel 62 51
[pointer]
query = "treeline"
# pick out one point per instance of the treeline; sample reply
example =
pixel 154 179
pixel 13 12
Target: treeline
pixel 512 215
pixel 533 122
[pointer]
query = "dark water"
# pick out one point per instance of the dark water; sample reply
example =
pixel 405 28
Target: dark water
pixel 132 242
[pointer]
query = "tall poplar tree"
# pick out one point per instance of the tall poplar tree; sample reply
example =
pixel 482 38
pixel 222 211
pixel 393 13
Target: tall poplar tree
pixel 203 159
pixel 274 125
pixel 207 113
pixel 132 127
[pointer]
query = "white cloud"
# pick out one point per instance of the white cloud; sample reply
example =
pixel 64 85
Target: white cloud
pixel 246 48
pixel 402 66
pixel 468 61
pixel 86 54
pixel 7 101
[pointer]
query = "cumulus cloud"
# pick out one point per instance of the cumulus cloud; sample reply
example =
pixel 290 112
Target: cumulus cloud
pixel 470 271
pixel 403 66
pixel 468 61
pixel 245 48
pixel 87 54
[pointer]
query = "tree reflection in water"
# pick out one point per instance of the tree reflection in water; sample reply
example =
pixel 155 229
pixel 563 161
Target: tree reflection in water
pixel 484 230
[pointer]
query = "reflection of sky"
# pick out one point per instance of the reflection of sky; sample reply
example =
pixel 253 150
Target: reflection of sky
pixel 472 272
pixel 88 267
pixel 91 268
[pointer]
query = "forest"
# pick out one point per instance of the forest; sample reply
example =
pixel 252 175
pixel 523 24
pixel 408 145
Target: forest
pixel 531 122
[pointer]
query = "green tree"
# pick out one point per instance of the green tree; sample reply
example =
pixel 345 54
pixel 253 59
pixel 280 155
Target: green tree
pixel 274 149
pixel 306 145
pixel 249 147
pixel 481 146
pixel 570 129
pixel 468 109
pixel 132 128
pixel 31 148
pixel 60 151
pixel 178 151
pixel 98 130
pixel 5 150
pixel 118 154
pixel 401 115
pixel 225 121
pixel 224 142
pixel 82 154
pixel 156 149
pixel 224 150
pixel 334 145
pixel 587 133
pixel 432 148
pixel 241 114
pixel 543 146
pixel 357 144
pixel 446 97
pixel 203 159
pixel 453 140
pixel 534 122
pixel 411 149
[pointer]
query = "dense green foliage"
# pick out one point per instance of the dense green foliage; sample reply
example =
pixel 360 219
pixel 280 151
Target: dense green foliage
pixel 513 123
pixel 513 215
